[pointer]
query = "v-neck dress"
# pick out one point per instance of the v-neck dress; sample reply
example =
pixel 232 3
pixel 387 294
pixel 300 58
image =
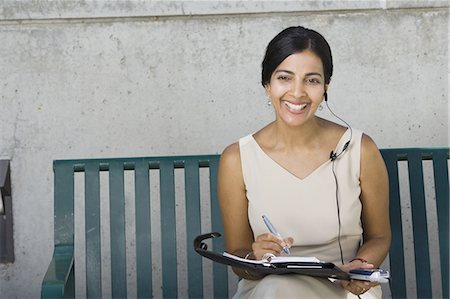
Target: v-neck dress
pixel 306 210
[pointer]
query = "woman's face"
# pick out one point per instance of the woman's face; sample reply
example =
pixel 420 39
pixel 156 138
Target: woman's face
pixel 297 87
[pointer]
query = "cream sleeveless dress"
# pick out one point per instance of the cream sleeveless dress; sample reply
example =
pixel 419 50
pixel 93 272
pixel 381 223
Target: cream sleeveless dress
pixel 305 209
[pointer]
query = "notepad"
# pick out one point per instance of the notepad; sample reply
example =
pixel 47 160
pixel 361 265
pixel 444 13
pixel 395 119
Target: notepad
pixel 272 265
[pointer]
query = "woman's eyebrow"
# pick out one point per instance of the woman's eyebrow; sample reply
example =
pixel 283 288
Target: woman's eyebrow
pixel 285 71
pixel 292 73
pixel 314 74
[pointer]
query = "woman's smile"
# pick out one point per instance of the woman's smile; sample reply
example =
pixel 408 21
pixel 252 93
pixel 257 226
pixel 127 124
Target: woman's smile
pixel 295 108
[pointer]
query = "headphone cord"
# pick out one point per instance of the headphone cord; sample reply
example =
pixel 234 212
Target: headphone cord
pixel 338 212
pixel 339 217
pixel 333 157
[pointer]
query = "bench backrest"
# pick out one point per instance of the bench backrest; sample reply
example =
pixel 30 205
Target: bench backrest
pixel 420 203
pixel 192 167
pixel 64 222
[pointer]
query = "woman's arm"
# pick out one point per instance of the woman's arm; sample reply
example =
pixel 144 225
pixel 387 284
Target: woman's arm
pixel 234 206
pixel 239 239
pixel 375 204
pixel 375 214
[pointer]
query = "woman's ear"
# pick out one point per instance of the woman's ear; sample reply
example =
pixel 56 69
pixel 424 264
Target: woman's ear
pixel 325 95
pixel 267 89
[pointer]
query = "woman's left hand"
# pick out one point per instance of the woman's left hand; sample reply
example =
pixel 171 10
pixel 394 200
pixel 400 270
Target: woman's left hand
pixel 354 286
pixel 358 287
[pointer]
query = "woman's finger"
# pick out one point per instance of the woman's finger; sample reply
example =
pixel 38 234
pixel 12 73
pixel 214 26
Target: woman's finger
pixel 270 239
pixel 356 287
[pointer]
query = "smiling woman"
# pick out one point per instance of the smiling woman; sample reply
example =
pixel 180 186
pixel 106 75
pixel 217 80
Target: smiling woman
pixel 330 206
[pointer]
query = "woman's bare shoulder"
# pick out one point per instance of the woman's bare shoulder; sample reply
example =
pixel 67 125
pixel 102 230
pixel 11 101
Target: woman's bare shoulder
pixel 231 155
pixel 231 150
pixel 368 146
pixel 230 169
pixel 371 159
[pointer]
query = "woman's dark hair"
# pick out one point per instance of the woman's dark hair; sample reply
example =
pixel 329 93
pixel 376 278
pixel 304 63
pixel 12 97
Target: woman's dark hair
pixel 294 40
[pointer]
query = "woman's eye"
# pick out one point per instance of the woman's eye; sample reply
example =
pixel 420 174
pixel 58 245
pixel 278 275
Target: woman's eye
pixel 283 78
pixel 313 81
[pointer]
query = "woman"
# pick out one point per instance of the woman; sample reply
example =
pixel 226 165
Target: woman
pixel 322 185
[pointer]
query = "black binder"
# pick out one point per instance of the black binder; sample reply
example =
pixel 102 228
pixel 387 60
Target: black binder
pixel 318 269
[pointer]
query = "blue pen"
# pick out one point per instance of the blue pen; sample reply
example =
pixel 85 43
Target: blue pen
pixel 274 231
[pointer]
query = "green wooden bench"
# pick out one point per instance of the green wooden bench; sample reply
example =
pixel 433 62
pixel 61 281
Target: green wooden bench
pixel 198 171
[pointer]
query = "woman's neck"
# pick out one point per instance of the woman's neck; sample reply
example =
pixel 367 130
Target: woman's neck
pixel 295 138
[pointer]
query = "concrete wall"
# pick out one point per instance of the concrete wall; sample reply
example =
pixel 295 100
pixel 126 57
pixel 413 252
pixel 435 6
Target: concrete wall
pixel 138 78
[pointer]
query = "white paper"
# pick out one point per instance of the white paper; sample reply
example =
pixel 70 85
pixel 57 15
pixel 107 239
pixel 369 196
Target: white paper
pixel 275 259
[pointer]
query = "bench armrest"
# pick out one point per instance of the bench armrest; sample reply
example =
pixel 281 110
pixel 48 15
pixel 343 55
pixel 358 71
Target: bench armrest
pixel 59 278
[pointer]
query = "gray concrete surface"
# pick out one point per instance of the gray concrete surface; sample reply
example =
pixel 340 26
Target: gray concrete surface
pixel 140 78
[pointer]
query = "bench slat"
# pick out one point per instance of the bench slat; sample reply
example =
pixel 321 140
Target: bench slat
pixel 441 180
pixel 193 228
pixel 220 271
pixel 92 229
pixel 143 230
pixel 168 230
pixel 420 227
pixel 117 230
pixel 63 208
pixel 396 256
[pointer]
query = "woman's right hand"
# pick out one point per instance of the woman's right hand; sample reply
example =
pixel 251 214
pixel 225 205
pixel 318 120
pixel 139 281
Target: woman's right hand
pixel 269 243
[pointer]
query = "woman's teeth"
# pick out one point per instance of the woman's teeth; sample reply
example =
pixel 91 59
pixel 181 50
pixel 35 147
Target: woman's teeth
pixel 295 107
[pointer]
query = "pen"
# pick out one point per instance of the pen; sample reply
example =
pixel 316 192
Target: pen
pixel 274 231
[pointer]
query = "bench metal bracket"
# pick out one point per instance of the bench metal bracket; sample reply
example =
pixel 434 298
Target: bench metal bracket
pixel 6 216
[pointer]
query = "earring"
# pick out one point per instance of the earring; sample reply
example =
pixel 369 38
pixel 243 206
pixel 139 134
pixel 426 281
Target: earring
pixel 320 107
pixel 269 102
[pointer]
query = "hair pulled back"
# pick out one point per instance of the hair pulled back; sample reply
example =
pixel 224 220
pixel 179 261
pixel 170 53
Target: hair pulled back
pixel 294 40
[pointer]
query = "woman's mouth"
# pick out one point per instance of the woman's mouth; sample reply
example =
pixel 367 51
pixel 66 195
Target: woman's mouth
pixel 295 108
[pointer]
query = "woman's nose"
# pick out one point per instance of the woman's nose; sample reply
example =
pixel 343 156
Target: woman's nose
pixel 298 89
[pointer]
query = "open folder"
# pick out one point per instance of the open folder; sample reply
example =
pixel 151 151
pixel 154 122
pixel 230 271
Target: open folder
pixel 276 265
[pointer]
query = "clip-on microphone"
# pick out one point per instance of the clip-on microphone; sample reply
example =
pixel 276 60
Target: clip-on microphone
pixel 333 156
